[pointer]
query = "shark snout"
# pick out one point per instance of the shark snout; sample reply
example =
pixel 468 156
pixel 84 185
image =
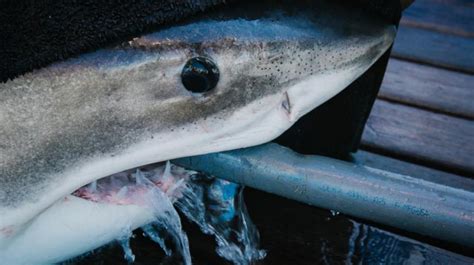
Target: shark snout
pixel 348 61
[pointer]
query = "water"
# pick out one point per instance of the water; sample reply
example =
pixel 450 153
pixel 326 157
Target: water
pixel 124 241
pixel 215 206
pixel 224 216
pixel 370 245
pixel 157 191
pixel 295 233
pixel 291 232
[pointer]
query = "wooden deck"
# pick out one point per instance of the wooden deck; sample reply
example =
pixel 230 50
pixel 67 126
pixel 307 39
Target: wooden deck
pixel 423 120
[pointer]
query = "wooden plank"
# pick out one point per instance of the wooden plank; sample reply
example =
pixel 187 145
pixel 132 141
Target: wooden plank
pixel 449 17
pixel 430 47
pixel 439 140
pixel 405 168
pixel 430 88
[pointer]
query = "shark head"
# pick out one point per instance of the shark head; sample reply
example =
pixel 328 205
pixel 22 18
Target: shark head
pixel 85 118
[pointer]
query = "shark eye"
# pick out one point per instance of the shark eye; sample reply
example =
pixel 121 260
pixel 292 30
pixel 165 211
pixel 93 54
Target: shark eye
pixel 200 75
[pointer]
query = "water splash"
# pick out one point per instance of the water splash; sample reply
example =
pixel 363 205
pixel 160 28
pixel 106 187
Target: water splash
pixel 124 242
pixel 371 245
pixel 154 234
pixel 215 205
pixel 224 216
pixel 353 240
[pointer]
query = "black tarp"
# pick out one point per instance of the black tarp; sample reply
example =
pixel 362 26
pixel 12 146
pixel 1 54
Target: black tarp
pixel 34 33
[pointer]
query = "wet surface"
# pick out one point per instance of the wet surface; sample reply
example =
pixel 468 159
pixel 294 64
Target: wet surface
pixel 293 233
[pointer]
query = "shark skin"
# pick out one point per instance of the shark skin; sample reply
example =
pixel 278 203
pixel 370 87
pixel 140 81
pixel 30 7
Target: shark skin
pixel 123 107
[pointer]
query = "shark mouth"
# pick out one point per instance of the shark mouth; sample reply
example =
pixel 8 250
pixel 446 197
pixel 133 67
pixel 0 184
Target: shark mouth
pixel 215 206
pixel 129 187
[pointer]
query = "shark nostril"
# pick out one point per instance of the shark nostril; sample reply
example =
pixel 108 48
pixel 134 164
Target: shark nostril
pixel 200 75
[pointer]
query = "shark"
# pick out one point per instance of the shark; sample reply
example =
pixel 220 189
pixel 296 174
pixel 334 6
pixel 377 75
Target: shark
pixel 212 83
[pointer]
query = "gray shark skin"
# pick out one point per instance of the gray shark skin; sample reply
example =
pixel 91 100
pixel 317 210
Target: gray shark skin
pixel 73 122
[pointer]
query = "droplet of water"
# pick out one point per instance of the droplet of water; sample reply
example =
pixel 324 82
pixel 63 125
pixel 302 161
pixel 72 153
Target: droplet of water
pixel 353 241
pixel 124 242
pixel 153 233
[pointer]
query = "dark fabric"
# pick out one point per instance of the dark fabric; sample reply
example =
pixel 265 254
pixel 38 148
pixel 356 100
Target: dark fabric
pixel 34 33
pixel 389 9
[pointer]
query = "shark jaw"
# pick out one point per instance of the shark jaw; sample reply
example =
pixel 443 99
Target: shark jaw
pixel 69 225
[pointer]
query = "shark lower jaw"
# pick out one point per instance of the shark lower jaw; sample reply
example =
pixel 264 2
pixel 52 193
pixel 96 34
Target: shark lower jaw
pixel 94 215
pixel 71 227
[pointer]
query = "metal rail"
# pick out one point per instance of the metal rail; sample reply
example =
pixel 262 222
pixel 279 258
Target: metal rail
pixel 404 202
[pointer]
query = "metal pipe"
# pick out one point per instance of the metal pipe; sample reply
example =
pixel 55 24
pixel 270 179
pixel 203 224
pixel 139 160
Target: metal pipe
pixel 404 202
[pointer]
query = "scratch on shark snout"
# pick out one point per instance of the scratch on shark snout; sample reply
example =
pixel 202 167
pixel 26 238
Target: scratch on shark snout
pixel 286 104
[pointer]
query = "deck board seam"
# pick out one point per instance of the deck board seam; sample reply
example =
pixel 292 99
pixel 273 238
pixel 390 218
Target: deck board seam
pixel 402 57
pixel 426 108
